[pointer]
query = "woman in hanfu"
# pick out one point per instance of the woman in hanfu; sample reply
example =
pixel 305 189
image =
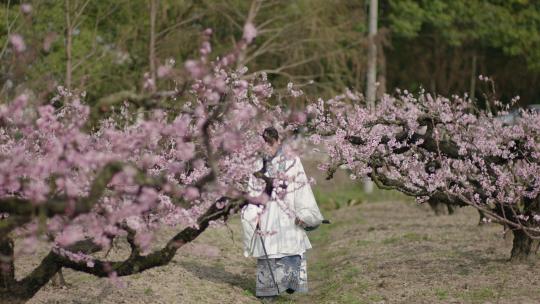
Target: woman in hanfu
pixel 274 232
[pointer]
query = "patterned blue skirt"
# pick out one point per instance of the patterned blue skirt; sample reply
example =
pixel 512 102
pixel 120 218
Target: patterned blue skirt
pixel 290 273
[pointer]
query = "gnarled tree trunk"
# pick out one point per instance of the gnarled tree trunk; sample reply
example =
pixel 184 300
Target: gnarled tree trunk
pixel 7 269
pixel 523 247
pixel 439 207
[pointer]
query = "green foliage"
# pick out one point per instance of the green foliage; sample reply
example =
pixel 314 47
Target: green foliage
pixel 434 43
pixel 406 18
pixel 298 40
pixel 512 26
pixel 426 43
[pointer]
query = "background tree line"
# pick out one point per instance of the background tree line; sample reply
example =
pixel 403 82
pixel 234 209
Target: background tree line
pixel 111 47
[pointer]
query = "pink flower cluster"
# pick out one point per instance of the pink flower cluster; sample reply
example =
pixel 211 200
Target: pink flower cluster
pixel 436 148
pixel 174 166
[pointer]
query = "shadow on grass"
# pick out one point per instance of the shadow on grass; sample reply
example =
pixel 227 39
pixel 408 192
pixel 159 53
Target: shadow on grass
pixel 218 274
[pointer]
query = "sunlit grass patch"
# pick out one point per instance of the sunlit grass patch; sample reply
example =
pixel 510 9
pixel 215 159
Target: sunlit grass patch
pixel 148 291
pixel 321 234
pixel 351 274
pixel 352 194
pixel 479 295
pixel 249 293
pixel 338 196
pixel 412 236
pixel 441 294
pixel 407 237
pixel 375 298
pixel 391 240
pixel 349 298
pixel 362 243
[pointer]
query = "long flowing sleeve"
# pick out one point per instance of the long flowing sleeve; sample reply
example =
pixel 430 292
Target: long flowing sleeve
pixel 250 216
pixel 304 201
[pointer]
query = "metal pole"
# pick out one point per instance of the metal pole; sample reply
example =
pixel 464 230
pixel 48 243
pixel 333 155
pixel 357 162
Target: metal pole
pixel 372 55
pixel 266 256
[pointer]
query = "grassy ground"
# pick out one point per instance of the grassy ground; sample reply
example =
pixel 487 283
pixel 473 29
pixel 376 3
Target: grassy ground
pixel 372 255
pixel 380 248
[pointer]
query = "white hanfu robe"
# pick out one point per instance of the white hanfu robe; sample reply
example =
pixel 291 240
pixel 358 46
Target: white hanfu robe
pixel 281 235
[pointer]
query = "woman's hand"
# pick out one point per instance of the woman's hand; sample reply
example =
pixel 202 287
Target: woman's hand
pixel 300 223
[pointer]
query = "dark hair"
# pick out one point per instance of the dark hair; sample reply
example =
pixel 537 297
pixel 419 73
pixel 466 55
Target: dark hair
pixel 270 135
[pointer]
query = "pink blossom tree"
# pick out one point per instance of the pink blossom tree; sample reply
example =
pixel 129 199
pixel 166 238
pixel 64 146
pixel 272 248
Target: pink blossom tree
pixel 440 149
pixel 79 187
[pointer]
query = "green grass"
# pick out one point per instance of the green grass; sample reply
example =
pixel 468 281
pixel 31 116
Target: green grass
pixel 411 236
pixel 346 284
pixel 391 240
pixel 282 300
pixel 441 294
pixel 321 234
pixel 407 237
pixel 342 194
pixel 351 275
pixel 349 298
pixel 339 196
pixel 478 295
pixel 464 271
pixel 249 293
pixel 148 291
pixel 375 298
pixel 363 243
